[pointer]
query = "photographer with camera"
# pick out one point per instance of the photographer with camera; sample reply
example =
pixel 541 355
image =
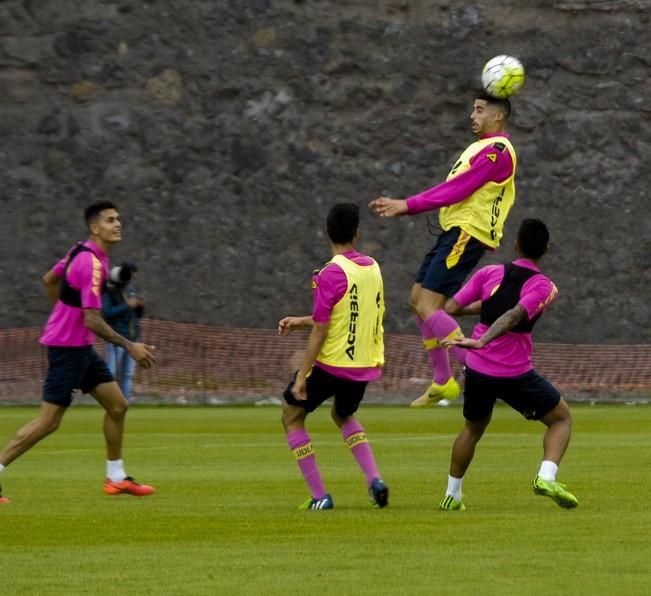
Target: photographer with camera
pixel 122 309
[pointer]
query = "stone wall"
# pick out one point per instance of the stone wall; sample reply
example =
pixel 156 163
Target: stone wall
pixel 225 129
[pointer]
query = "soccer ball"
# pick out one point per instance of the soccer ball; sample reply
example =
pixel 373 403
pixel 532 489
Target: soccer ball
pixel 503 76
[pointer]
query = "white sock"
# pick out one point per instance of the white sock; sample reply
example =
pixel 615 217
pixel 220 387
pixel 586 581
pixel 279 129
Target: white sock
pixel 454 488
pixel 548 470
pixel 115 470
pixel 1 468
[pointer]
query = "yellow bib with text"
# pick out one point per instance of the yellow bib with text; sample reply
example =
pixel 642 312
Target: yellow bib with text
pixel 483 213
pixel 355 334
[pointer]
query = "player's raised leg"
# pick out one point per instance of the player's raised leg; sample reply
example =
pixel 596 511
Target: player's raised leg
pixel 440 276
pixel 115 405
pixel 435 326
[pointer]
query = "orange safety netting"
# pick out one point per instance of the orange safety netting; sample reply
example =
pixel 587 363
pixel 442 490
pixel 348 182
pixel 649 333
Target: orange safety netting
pixel 209 363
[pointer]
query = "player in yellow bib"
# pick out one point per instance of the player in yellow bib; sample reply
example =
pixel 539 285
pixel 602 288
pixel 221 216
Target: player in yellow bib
pixel 345 351
pixel 473 205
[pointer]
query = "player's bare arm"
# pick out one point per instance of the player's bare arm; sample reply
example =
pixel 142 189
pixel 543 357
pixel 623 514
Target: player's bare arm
pixel 315 342
pixel 141 353
pixel 51 282
pixel 452 307
pixel 388 207
pixel 502 325
pixel 289 324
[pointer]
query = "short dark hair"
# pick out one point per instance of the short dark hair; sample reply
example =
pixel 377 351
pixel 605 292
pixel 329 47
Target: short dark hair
pixel 342 223
pixel 533 238
pixel 92 211
pixel 502 103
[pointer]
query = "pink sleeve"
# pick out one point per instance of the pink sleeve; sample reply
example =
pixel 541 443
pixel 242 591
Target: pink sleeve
pixel 537 294
pixel 472 289
pixel 85 273
pixel 328 288
pixel 488 165
pixel 59 267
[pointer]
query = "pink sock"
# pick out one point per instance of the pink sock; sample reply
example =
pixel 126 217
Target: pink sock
pixel 445 325
pixel 436 355
pixel 301 445
pixel 458 353
pixel 439 325
pixel 355 437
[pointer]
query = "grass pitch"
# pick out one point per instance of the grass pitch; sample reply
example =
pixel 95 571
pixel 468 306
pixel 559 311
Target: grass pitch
pixel 224 519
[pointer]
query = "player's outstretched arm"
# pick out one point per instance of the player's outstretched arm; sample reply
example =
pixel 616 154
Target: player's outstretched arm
pixel 141 353
pixel 452 307
pixel 388 207
pixel 500 326
pixel 288 324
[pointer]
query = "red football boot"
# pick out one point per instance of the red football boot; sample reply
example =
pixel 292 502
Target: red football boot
pixel 127 486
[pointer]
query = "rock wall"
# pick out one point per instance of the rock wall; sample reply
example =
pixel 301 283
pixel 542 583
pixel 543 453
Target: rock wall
pixel 225 129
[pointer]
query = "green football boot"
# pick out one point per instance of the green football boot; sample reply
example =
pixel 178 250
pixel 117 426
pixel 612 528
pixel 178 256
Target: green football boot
pixel 449 503
pixel 556 491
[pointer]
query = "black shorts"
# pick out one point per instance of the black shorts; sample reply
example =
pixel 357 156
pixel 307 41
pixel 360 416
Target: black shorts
pixel 73 368
pixel 530 394
pixel 447 265
pixel 321 385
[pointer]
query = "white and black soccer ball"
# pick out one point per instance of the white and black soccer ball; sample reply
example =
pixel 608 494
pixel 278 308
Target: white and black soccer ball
pixel 503 76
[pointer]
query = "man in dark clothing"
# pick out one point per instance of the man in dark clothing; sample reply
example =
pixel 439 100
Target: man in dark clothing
pixel 122 309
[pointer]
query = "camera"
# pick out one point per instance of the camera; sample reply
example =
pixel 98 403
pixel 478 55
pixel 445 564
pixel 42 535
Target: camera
pixel 121 274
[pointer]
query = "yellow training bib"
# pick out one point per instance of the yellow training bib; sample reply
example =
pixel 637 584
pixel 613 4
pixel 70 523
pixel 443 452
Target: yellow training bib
pixel 355 334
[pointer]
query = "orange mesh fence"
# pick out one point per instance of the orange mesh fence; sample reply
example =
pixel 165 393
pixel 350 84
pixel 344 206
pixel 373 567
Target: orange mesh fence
pixel 214 364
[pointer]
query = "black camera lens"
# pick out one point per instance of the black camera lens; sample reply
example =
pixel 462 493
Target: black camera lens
pixel 120 275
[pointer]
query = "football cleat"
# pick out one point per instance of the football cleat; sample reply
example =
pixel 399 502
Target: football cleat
pixel 435 393
pixel 3 499
pixel 325 502
pixel 449 503
pixel 556 491
pixel 378 492
pixel 127 486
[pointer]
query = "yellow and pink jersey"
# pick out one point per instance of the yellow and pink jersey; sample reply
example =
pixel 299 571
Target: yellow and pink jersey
pixel 479 190
pixel 348 295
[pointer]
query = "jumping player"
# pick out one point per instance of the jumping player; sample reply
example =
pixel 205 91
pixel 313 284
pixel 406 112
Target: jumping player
pixel 473 204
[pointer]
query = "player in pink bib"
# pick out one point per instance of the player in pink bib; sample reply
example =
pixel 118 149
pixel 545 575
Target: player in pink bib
pixel 509 300
pixel 74 285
